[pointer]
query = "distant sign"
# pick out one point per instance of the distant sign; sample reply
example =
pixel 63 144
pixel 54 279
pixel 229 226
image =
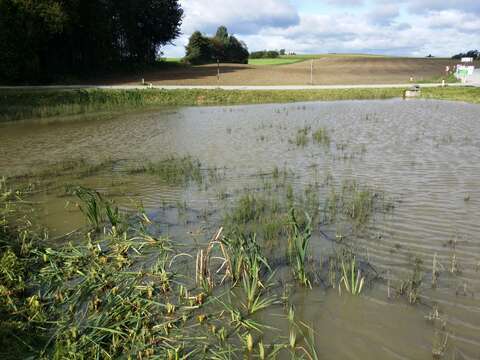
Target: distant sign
pixel 467 59
pixel 465 69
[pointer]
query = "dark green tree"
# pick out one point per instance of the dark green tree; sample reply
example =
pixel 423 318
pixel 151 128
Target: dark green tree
pixel 237 51
pixel 41 40
pixel 26 28
pixel 222 34
pixel 222 47
pixel 199 50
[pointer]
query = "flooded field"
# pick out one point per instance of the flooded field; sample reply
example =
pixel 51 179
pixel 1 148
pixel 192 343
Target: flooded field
pixel 386 199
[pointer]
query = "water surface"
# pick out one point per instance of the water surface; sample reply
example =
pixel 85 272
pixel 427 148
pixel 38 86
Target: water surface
pixel 424 155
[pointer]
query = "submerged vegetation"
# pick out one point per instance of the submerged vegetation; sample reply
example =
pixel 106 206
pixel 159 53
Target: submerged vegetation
pixel 173 171
pixel 320 136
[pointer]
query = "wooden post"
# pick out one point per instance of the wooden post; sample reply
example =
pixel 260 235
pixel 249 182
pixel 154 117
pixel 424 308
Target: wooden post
pixel 218 71
pixel 311 72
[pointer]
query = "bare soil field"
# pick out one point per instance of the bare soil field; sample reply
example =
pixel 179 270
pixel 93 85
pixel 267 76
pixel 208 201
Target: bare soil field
pixel 329 70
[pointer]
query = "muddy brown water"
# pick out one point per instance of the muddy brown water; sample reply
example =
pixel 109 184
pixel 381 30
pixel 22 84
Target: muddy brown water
pixel 425 155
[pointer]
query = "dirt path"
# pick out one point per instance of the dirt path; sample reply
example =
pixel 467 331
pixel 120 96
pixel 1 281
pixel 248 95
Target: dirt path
pixel 229 87
pixel 327 71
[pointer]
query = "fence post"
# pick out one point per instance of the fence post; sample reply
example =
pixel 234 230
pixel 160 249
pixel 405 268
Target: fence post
pixel 311 72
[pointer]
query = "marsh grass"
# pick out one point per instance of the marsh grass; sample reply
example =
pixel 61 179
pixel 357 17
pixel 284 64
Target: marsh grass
pixel 355 202
pixel 173 171
pixel 411 287
pixel 301 138
pixel 256 214
pixel 321 136
pixel 79 168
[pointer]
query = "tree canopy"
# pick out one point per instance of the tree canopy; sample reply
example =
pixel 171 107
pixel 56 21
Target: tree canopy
pixel 475 54
pixel 266 54
pixel 44 39
pixel 221 47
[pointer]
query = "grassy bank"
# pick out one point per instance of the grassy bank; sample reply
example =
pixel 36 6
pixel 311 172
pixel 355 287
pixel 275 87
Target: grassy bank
pixel 467 94
pixel 26 104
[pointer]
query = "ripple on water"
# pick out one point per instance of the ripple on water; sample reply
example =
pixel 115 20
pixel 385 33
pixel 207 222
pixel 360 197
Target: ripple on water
pixel 423 153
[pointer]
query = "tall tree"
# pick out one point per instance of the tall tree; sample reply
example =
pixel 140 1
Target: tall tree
pixel 199 49
pixel 41 39
pixel 222 47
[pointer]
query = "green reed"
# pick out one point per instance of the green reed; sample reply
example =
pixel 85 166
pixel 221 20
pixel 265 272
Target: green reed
pixel 173 171
pixel 298 247
pixel 352 278
pixel 301 138
pixel 95 208
pixel 321 136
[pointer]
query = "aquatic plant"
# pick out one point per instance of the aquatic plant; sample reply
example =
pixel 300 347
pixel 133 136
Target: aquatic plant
pixel 359 204
pixel 174 170
pixel 355 202
pixel 253 289
pixel 301 139
pixel 249 208
pixel 245 256
pixel 95 208
pixel 298 247
pixel 91 205
pixel 411 287
pixel 352 278
pixel 78 167
pixel 321 136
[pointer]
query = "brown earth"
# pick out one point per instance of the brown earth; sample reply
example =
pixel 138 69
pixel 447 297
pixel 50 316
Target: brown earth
pixel 329 70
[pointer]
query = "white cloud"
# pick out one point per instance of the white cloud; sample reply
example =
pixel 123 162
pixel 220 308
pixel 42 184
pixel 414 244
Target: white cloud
pixel 405 28
pixel 384 14
pixel 245 16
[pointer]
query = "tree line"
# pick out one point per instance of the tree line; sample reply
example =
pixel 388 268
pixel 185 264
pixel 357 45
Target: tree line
pixel 41 40
pixel 267 54
pixel 475 54
pixel 222 47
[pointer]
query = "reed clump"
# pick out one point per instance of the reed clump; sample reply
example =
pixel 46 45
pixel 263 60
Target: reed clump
pixel 355 202
pixel 301 138
pixel 411 287
pixel 256 214
pixel 321 136
pixel 174 170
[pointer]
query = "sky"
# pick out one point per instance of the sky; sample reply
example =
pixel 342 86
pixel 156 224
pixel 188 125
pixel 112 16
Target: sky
pixel 403 27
